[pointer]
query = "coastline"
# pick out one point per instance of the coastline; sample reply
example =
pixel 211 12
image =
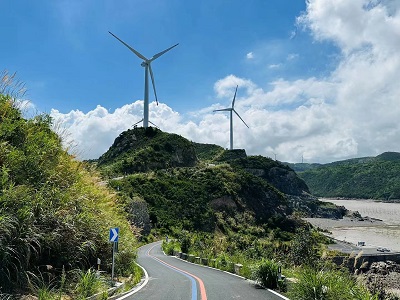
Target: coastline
pixel 328 224
pixel 377 224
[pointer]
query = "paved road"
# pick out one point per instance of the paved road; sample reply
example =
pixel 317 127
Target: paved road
pixel 346 247
pixel 172 279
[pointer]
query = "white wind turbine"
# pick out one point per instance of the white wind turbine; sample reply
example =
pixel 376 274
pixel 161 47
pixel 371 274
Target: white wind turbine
pixel 232 109
pixel 147 67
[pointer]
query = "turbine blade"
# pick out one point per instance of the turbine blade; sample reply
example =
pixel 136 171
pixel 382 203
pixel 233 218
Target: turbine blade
pixel 137 122
pixel 234 98
pixel 162 52
pixel 241 118
pixel 154 124
pixel 152 81
pixel 223 109
pixel 130 48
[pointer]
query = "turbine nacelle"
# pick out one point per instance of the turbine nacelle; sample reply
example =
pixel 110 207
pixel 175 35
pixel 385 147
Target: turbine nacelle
pixel 144 64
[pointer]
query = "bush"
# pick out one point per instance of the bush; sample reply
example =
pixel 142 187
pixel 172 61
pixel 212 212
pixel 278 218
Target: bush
pixel 327 285
pixel 170 247
pixel 185 242
pixel 125 262
pixel 88 284
pixel 282 285
pixel 266 273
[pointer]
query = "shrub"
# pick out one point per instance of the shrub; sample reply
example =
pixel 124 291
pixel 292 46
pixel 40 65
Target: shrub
pixel 185 242
pixel 327 285
pixel 282 285
pixel 125 262
pixel 88 284
pixel 266 273
pixel 170 247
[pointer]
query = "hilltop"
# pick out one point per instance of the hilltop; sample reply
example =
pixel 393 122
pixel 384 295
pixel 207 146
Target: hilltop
pixel 198 186
pixel 142 150
pixel 366 177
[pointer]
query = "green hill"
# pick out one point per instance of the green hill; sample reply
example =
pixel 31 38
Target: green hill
pixel 53 213
pixel 368 177
pixel 141 150
pixel 205 183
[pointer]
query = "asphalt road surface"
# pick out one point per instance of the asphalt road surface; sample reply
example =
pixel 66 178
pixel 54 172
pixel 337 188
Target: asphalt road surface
pixel 172 279
pixel 346 247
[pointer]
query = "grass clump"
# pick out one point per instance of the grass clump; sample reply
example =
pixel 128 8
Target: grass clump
pixel 266 273
pixel 89 283
pixel 328 285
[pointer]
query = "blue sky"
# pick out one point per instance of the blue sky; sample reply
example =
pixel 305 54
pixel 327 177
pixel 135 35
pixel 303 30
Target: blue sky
pixel 299 66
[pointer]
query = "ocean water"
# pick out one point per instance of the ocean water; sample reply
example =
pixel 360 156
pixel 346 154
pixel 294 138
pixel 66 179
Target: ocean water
pixel 387 235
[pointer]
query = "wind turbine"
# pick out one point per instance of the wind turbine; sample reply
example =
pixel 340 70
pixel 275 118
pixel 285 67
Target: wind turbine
pixel 147 68
pixel 232 109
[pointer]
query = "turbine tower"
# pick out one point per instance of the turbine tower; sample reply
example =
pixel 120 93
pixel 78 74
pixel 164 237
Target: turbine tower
pixel 147 68
pixel 232 109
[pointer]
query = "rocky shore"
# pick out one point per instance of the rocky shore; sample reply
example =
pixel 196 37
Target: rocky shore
pixel 382 276
pixel 347 221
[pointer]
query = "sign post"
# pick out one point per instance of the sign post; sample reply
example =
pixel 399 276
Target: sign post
pixel 114 239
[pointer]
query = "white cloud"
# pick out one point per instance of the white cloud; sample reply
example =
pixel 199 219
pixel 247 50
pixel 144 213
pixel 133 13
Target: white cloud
pixel 292 56
pixel 274 66
pixel 250 55
pixel 226 86
pixel 352 112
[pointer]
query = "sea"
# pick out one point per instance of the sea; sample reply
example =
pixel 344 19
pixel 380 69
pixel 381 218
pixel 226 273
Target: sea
pixel 380 235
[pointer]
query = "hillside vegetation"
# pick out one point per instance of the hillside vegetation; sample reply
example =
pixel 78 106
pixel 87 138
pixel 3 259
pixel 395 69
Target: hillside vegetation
pixel 369 177
pixel 53 214
pixel 207 190
pixel 141 150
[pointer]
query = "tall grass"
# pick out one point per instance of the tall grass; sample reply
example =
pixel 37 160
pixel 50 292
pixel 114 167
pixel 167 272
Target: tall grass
pixel 88 284
pixel 42 285
pixel 266 273
pixel 328 285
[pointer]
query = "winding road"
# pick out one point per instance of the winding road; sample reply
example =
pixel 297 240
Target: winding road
pixel 170 278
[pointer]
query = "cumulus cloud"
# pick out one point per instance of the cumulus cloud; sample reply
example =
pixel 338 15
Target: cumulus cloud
pixel 351 112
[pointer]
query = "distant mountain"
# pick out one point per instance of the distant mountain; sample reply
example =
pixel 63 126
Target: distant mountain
pixel 367 177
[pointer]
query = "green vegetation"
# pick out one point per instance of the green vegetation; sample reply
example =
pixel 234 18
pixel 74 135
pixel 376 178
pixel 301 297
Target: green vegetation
pixel 266 273
pixel 374 177
pixel 217 204
pixel 54 216
pixel 145 149
pixel 328 284
pixel 88 284
pixel 202 198
pixel 207 152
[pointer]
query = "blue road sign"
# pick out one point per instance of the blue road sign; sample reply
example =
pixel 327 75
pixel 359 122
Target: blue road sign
pixel 114 234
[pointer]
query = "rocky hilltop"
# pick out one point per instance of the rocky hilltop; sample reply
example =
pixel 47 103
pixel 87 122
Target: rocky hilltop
pixel 145 149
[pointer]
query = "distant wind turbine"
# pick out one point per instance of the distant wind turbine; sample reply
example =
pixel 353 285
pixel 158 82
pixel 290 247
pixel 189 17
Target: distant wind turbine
pixel 232 109
pixel 147 67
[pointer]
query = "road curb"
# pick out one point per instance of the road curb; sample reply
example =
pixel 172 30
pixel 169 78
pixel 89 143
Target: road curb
pixel 136 289
pixel 232 274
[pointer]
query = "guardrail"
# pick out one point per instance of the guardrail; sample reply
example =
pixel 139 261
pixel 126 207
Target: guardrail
pixel 228 266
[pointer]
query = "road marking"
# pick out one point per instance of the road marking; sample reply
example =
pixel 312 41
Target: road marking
pixel 203 294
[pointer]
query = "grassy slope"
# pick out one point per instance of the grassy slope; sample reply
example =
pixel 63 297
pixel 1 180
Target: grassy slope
pixel 52 211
